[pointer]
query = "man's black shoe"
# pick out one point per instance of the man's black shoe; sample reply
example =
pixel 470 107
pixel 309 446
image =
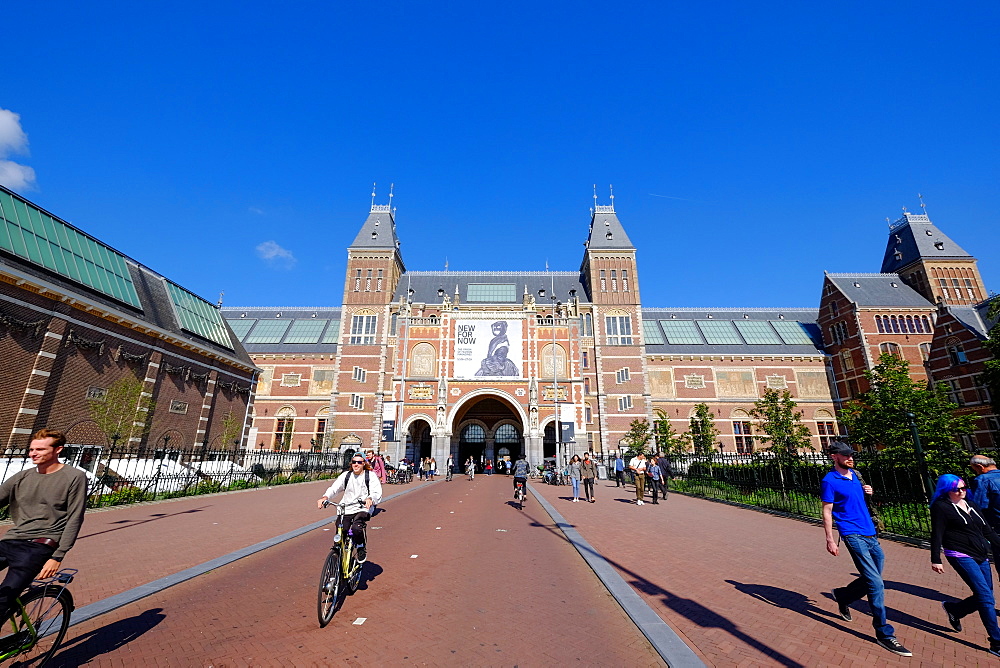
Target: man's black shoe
pixel 362 553
pixel 955 622
pixel 994 648
pixel 842 608
pixel 894 646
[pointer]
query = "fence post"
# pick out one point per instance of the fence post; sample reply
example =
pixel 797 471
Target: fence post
pixel 925 478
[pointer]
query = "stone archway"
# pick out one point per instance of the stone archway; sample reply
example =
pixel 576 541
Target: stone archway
pixel 475 423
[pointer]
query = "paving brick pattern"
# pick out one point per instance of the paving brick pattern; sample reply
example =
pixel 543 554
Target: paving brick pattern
pixel 490 585
pixel 745 588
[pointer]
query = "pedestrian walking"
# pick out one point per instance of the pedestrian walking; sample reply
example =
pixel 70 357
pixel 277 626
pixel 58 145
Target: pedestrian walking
pixel 431 467
pixel 588 471
pixel 655 478
pixel 984 489
pixel 378 467
pixel 489 467
pixel 449 468
pixel 843 497
pixel 958 528
pixel 619 471
pixel 638 468
pixel 574 476
pixel 425 466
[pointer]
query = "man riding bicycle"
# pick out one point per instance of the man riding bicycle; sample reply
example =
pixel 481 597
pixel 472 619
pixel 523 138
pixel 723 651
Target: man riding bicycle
pixel 521 471
pixel 362 490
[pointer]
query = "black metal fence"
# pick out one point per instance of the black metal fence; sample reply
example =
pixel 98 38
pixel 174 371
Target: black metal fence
pixel 127 475
pixel 791 484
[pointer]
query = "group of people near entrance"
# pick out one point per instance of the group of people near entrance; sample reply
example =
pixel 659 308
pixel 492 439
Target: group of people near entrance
pixel 963 529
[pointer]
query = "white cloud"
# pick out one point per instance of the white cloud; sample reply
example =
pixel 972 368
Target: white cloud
pixel 275 255
pixel 13 141
pixel 258 211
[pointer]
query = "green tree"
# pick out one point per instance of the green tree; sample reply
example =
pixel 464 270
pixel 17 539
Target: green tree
pixel 780 423
pixel 991 375
pixel 637 436
pixel 232 430
pixel 878 419
pixel 701 431
pixel 668 441
pixel 125 412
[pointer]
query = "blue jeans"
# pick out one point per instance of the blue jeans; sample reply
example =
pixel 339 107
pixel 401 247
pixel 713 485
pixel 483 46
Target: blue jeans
pixel 979 578
pixel 869 559
pixel 576 487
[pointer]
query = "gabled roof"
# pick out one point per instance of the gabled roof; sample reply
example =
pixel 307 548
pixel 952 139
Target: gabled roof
pixel 914 237
pixel 975 318
pixel 606 231
pixel 507 287
pixel 877 290
pixel 378 230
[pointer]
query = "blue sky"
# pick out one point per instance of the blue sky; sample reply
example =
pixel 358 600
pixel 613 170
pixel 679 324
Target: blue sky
pixel 232 145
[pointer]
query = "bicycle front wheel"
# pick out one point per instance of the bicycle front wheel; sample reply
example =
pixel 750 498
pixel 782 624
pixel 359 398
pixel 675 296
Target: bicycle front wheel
pixel 329 588
pixel 49 610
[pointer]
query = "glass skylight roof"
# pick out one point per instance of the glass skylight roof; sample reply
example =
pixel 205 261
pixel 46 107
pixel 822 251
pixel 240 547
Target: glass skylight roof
pixel 33 235
pixel 332 332
pixel 198 316
pixel 306 331
pixel 268 331
pixel 719 332
pixel 757 332
pixel 241 326
pixel 681 332
pixel 651 332
pixel 491 293
pixel 792 332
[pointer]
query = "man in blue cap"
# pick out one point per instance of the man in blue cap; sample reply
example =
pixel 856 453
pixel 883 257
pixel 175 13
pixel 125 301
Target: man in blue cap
pixel 843 497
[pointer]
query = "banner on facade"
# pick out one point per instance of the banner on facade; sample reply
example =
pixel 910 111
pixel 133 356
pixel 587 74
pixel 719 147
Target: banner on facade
pixel 488 349
pixel 567 431
pixel 388 430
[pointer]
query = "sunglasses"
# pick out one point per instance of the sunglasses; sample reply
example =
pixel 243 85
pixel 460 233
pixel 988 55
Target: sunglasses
pixel 357 461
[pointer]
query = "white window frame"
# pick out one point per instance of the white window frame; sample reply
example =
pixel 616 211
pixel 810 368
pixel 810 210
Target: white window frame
pixel 618 330
pixel 363 330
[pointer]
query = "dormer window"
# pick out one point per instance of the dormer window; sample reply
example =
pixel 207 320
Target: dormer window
pixel 939 245
pixel 928 233
pixel 898 256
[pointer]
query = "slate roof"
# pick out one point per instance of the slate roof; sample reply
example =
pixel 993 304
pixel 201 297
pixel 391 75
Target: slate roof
pixel 877 290
pixel 913 237
pixel 607 232
pixel 425 285
pixel 378 231
pixel 757 331
pixel 156 309
pixel 316 333
pixel 975 318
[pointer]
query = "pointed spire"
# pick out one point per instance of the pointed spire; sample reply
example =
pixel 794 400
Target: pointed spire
pixel 606 231
pixel 373 196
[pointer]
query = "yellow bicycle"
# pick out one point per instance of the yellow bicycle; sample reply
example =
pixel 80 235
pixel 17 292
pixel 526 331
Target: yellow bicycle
pixel 341 570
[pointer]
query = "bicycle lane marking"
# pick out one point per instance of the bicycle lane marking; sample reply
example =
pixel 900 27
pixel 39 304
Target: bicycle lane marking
pixel 106 605
pixel 661 636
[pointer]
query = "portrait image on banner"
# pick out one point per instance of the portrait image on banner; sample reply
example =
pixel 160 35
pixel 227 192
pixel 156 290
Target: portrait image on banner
pixel 488 349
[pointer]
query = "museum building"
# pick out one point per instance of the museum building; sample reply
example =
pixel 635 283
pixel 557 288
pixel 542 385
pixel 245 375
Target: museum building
pixel 77 316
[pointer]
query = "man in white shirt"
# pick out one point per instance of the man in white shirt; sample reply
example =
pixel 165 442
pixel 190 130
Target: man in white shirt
pixel 362 490
pixel 638 467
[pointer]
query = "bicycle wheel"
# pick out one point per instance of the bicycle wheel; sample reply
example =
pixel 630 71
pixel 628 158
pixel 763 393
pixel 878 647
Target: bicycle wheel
pixel 329 587
pixel 49 610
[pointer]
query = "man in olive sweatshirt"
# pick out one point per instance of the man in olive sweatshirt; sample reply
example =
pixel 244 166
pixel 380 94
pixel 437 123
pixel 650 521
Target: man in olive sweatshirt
pixel 46 505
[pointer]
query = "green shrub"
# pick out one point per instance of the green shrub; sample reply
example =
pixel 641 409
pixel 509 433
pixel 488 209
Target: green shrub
pixel 125 495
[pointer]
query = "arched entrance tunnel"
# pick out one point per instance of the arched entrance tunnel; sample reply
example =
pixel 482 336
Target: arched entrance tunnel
pixel 487 428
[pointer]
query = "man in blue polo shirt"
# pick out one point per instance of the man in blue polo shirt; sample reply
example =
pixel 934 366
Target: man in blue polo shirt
pixel 843 498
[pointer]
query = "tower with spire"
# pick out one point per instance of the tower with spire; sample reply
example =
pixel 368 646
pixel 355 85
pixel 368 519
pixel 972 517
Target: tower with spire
pixel 609 273
pixel 374 268
pixel 930 262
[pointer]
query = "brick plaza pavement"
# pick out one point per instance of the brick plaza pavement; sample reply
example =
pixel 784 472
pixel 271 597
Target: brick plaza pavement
pixel 745 588
pixel 489 585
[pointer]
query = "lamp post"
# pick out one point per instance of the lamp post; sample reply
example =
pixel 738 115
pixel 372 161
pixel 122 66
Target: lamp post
pixel 555 379
pixel 925 478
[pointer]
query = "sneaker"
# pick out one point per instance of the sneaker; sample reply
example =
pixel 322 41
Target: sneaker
pixel 893 646
pixel 362 553
pixel 842 608
pixel 638 503
pixel 954 621
pixel 994 648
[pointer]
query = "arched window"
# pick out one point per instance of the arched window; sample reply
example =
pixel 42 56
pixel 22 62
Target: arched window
pixel 925 350
pixel 474 433
pixel 878 323
pixel 846 359
pixel 560 361
pixel 588 324
pixel 927 324
pixel 895 324
pixel 891 348
pixel 956 352
pixel 919 325
pixel 507 433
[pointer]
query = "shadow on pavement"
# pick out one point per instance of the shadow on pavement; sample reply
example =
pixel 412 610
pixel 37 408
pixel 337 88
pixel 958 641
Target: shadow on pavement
pixel 128 524
pixel 82 649
pixel 370 571
pixel 691 609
